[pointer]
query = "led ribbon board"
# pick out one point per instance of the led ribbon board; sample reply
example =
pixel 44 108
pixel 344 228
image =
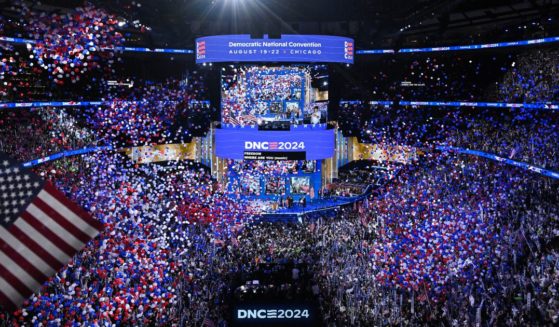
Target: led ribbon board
pixel 288 48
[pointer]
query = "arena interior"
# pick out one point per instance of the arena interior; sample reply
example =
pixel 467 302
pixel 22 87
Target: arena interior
pixel 279 163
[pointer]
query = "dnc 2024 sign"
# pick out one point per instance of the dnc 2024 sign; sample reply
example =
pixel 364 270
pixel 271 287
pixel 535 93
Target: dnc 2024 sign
pixel 251 145
pixel 242 142
pixel 288 48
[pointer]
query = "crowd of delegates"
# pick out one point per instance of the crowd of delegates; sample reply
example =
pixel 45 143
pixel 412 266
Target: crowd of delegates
pixel 155 220
pixel 34 134
pixel 454 240
pixel 404 126
pixel 73 58
pixel 67 44
pixel 533 78
pixel 164 112
pixel 521 134
pixel 147 112
pixel 517 75
pixel 449 243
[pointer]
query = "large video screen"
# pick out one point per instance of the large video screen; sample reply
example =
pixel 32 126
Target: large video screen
pixel 288 48
pixel 253 95
pixel 300 185
pixel 275 185
pixel 250 185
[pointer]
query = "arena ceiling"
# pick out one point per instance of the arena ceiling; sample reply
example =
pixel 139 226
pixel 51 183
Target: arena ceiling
pixel 373 23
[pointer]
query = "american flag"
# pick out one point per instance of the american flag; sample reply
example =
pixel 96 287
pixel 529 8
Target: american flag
pixel 250 118
pixel 40 230
pixel 233 120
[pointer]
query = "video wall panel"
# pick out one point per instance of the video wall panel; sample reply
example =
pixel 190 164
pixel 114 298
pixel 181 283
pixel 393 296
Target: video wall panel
pixel 253 95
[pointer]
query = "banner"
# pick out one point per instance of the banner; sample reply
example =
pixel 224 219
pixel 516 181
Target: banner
pixel 482 46
pixel 163 152
pixel 377 152
pixel 41 104
pixel 523 165
pixel 314 144
pixel 548 106
pixel 288 48
pixel 70 153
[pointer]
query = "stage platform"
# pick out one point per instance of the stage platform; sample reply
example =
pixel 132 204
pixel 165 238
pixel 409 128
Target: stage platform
pixel 314 209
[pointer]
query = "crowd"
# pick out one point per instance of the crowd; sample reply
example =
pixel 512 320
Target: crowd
pixel 443 240
pixel 271 84
pixel 520 134
pixel 152 112
pixel 523 134
pixel 462 234
pixel 153 215
pixel 34 134
pixel 454 240
pixel 445 76
pixel 518 75
pixel 68 45
pixel 527 136
pixel 446 224
pixel 533 78
pixel 21 79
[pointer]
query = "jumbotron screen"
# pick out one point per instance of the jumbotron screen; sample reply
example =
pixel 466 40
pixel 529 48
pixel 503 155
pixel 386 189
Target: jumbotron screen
pixel 252 95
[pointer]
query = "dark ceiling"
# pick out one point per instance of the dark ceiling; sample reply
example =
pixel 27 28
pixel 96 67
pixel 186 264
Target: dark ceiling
pixel 370 22
pixel 373 23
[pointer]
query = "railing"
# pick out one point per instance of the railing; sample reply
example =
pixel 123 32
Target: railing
pixel 507 161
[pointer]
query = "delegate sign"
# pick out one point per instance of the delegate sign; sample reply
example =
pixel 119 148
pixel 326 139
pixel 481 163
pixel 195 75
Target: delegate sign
pixel 289 48
pixel 238 143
